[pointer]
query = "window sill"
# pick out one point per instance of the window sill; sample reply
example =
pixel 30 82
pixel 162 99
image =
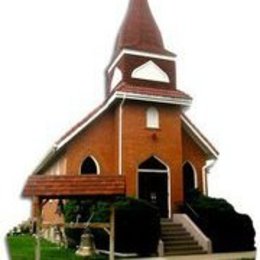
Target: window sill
pixel 153 128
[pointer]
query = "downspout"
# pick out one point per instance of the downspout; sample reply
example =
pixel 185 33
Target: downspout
pixel 120 137
pixel 205 170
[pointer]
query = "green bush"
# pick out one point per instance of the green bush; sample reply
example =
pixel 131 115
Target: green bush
pixel 228 230
pixel 137 227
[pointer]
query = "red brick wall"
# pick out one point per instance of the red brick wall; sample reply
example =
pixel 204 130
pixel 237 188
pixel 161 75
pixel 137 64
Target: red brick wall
pixel 170 143
pixel 49 214
pixel 98 140
pixel 139 144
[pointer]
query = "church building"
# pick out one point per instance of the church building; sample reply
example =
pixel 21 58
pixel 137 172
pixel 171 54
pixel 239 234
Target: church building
pixel 138 142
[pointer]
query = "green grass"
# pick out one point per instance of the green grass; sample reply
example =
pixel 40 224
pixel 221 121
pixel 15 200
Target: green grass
pixel 23 248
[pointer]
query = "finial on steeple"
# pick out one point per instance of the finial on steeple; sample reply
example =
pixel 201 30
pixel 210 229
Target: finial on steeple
pixel 139 30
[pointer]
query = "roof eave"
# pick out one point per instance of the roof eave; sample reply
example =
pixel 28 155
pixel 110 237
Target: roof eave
pixel 200 139
pixel 52 153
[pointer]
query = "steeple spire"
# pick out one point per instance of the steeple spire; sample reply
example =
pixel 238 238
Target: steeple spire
pixel 141 66
pixel 139 30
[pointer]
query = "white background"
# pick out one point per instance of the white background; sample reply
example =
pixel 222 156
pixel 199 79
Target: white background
pixel 52 59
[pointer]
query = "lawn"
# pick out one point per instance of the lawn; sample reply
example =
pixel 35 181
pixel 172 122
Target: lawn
pixel 22 248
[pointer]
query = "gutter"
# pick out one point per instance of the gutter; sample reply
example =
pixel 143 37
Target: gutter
pixel 120 137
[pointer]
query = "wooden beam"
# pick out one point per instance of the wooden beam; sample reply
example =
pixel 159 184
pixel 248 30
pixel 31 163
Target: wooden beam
pixel 112 234
pixel 77 225
pixel 38 215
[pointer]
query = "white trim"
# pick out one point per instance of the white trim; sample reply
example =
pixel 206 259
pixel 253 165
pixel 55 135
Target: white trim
pixel 153 170
pixel 91 119
pixel 169 188
pixel 94 160
pixel 155 99
pixel 195 174
pixel 150 71
pixel 205 170
pixel 116 78
pixel 45 159
pixel 140 54
pixel 204 180
pixel 120 138
pixel 200 137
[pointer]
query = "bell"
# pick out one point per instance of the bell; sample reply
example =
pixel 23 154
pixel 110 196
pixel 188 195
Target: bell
pixel 87 244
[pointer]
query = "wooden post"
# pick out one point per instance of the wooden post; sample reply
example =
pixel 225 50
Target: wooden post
pixel 112 234
pixel 38 215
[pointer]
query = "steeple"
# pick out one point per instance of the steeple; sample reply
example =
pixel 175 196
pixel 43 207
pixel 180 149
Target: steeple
pixel 141 66
pixel 139 30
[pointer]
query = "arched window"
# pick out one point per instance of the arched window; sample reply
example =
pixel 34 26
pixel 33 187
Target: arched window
pixel 189 180
pixel 152 118
pixel 89 166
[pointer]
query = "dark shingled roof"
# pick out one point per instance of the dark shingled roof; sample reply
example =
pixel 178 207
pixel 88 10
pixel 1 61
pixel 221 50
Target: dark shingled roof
pixel 139 30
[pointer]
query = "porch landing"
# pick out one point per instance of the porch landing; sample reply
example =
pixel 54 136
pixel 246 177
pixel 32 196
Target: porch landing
pixel 223 256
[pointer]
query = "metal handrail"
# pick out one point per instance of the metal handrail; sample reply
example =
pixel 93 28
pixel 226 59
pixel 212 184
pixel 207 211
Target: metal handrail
pixel 191 209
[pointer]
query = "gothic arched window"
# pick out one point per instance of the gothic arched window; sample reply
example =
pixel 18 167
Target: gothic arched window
pixel 152 118
pixel 89 166
pixel 189 180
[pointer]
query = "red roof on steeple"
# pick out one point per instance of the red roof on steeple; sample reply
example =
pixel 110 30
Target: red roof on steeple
pixel 139 30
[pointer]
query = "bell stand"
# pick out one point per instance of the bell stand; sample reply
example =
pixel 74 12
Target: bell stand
pixel 108 227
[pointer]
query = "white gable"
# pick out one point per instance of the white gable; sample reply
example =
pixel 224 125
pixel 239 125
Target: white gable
pixel 117 77
pixel 150 71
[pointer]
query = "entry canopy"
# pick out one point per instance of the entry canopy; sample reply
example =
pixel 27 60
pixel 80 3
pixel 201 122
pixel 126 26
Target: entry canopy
pixel 73 186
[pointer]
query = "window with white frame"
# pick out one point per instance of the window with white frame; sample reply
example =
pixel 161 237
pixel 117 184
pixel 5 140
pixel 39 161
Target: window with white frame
pixel 152 118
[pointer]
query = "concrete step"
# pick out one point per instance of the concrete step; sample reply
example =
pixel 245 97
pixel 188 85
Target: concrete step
pixel 170 223
pixel 188 238
pixel 182 232
pixel 166 228
pixel 182 247
pixel 185 252
pixel 177 240
pixel 191 242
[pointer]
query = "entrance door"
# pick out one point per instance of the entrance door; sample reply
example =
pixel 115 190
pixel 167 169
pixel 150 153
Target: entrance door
pixel 153 184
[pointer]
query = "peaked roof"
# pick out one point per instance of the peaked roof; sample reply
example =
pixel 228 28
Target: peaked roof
pixel 139 30
pixel 92 116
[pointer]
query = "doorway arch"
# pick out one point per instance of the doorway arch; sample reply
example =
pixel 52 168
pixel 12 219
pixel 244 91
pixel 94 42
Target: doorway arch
pixel 189 180
pixel 153 179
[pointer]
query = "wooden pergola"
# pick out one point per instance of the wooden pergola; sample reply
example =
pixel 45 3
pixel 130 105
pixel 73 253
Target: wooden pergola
pixel 42 188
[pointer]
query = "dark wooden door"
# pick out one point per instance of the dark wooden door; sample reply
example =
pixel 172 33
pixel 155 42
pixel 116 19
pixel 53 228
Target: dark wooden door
pixel 153 187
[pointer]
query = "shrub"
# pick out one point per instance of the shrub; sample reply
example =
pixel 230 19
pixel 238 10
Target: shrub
pixel 26 227
pixel 137 227
pixel 228 230
pixel 22 229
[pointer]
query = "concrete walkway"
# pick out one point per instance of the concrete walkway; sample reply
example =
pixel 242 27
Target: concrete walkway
pixel 227 256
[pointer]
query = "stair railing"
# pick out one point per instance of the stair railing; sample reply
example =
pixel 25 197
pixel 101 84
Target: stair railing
pixel 191 212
